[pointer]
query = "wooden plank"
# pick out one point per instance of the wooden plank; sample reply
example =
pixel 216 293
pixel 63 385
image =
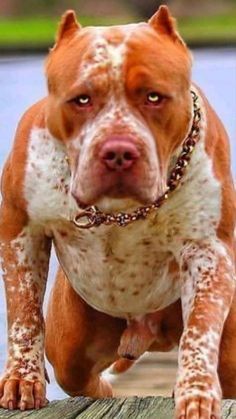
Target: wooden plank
pixel 125 408
pixel 63 409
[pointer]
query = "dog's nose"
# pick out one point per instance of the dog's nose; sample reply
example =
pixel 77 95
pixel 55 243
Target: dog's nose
pixel 118 154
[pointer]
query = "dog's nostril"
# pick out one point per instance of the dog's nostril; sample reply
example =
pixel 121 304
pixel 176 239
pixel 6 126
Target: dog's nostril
pixel 128 156
pixel 110 155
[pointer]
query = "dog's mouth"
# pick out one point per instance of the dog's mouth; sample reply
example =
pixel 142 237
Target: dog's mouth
pixel 120 196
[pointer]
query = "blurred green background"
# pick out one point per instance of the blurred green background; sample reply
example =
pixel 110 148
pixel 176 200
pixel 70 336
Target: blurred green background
pixel 32 23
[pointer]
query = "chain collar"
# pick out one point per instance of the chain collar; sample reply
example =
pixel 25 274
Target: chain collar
pixel 93 217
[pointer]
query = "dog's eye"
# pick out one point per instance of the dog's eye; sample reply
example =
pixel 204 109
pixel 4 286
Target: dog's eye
pixel 82 100
pixel 154 98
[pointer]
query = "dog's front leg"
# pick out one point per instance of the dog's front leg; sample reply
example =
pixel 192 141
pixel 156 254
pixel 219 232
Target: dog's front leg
pixel 25 256
pixel 208 284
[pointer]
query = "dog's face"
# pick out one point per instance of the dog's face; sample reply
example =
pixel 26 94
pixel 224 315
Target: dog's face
pixel 119 98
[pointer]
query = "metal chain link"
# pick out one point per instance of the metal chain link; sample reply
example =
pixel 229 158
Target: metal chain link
pixel 93 217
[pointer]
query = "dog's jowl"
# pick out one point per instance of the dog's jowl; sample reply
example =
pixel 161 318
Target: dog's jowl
pixel 125 168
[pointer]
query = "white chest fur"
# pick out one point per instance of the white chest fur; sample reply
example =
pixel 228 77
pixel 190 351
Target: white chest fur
pixel 127 271
pixel 120 272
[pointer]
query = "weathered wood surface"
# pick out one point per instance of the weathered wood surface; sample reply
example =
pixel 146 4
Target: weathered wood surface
pixel 125 408
pixel 153 375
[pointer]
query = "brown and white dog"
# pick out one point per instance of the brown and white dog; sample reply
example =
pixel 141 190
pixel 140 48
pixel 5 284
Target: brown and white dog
pixel 109 133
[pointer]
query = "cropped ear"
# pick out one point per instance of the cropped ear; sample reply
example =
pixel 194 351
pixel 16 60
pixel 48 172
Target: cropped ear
pixel 67 27
pixel 164 23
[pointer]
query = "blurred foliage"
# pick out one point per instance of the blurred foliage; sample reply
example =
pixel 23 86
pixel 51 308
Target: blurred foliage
pixel 35 21
pixel 146 8
pixel 143 8
pixel 43 8
pixel 215 28
pixel 41 31
pixel 38 32
pixel 36 7
pixel 186 8
pixel 189 8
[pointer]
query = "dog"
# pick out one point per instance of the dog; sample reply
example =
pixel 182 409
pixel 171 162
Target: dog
pixel 125 168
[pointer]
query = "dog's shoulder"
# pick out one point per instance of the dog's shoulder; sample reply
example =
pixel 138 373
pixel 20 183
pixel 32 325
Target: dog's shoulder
pixel 217 147
pixel 35 178
pixel 13 173
pixel 217 143
pixel 13 170
pixel 14 205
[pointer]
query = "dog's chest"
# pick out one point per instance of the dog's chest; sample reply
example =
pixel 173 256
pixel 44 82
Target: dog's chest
pixel 124 273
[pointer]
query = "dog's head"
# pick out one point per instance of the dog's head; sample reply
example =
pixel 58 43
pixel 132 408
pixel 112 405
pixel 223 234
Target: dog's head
pixel 119 98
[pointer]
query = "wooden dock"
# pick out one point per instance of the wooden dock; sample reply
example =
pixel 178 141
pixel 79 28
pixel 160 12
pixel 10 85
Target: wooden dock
pixel 124 408
pixel 146 384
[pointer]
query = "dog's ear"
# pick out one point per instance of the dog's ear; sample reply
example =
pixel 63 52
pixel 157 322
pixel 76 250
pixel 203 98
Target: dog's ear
pixel 67 27
pixel 164 23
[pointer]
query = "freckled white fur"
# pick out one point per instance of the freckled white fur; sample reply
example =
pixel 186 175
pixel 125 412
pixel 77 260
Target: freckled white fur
pixel 106 54
pixel 203 260
pixel 109 286
pixel 47 178
pixel 30 256
pixel 31 361
pixel 199 345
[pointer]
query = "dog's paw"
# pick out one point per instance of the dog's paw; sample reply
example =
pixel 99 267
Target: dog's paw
pixel 202 406
pixel 22 394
